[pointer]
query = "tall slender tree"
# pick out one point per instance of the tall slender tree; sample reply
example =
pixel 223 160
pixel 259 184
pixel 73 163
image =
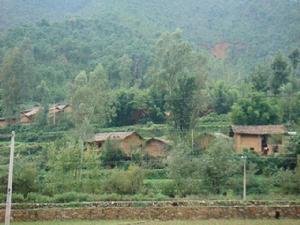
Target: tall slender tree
pixel 281 73
pixel 12 82
pixel 180 72
pixel 295 58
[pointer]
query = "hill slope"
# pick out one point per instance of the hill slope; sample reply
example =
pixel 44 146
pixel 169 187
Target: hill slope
pixel 252 27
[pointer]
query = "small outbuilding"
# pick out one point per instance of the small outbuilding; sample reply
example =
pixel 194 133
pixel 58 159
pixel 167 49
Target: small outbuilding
pixel 57 110
pixel 28 116
pixel 157 148
pixel 129 142
pixel 263 139
pixel 3 123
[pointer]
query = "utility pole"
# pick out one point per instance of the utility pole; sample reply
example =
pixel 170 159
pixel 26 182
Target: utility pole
pixel 10 177
pixel 245 178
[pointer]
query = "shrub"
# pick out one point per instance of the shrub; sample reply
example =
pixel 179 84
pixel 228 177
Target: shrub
pixel 38 198
pixel 70 197
pixel 24 177
pixel 150 162
pixel 169 189
pixel 156 174
pixel 2 197
pixel 255 185
pixel 217 165
pixel 125 182
pixel 287 181
pixel 112 155
pixel 17 198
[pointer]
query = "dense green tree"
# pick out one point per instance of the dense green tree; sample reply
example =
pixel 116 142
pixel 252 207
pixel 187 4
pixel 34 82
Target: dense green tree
pixel 280 73
pixel 218 164
pixel 256 110
pixel 13 82
pixel 294 145
pixel 181 103
pixel 260 78
pixel 64 165
pixel 44 99
pixel 185 171
pixel 180 73
pixel 82 99
pixel 288 181
pixel 98 83
pixel 112 155
pixel 130 106
pixel 173 57
pixel 289 103
pixel 295 58
pixel 89 96
pixel 125 73
pixel 157 104
pixel 125 182
pixel 25 178
pixel 223 98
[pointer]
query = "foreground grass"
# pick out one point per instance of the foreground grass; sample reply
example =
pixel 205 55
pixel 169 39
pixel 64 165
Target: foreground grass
pixel 201 222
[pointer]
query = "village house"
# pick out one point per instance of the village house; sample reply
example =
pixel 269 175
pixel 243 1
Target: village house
pixel 263 140
pixel 129 142
pixel 3 123
pixel 157 148
pixel 28 116
pixel 57 110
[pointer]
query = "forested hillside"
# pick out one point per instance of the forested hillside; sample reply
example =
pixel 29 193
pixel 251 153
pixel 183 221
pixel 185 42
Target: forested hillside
pixel 253 29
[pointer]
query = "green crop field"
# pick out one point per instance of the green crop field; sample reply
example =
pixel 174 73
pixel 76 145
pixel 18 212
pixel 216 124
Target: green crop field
pixel 202 222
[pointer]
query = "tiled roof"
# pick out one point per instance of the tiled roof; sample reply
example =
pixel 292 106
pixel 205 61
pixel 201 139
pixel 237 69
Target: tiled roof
pixel 163 141
pixel 58 107
pixel 260 130
pixel 31 112
pixel 112 136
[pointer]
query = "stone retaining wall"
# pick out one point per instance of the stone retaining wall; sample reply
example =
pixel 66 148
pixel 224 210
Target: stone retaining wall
pixel 154 213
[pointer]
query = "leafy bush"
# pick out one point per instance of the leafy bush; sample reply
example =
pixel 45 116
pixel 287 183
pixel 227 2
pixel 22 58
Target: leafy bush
pixel 112 155
pixel 18 198
pixel 37 198
pixel 156 174
pixel 217 165
pixel 125 182
pixel 288 181
pixel 255 185
pixel 71 197
pixel 169 189
pixel 185 173
pixel 2 197
pixel 24 177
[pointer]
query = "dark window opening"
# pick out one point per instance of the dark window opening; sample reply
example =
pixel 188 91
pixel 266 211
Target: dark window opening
pixel 275 148
pixel 264 145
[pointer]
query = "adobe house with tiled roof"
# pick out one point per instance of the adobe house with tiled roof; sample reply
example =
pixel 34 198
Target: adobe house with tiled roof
pixel 263 139
pixel 57 110
pixel 157 147
pixel 3 123
pixel 129 142
pixel 28 116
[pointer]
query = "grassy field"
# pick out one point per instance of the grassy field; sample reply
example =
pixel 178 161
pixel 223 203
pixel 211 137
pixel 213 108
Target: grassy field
pixel 201 222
